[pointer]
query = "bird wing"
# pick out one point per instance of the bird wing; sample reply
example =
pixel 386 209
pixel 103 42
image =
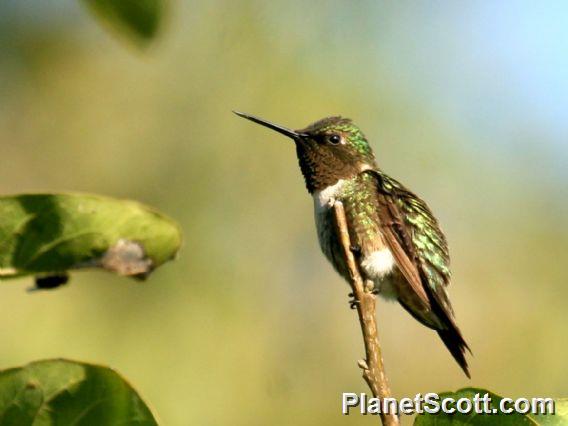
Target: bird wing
pixel 419 247
pixel 414 236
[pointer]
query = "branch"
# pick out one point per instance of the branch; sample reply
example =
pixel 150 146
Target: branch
pixel 372 366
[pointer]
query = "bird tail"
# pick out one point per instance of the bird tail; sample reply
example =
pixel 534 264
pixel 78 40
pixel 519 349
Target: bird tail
pixel 447 329
pixel 457 346
pixel 449 332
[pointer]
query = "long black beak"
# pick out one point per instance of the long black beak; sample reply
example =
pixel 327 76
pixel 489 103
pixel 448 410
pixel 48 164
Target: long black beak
pixel 284 130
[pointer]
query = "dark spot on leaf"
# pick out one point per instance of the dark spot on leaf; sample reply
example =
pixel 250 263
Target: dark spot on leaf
pixel 48 282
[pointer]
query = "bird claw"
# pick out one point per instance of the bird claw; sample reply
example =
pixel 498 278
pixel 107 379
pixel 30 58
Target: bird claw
pixel 355 249
pixel 353 302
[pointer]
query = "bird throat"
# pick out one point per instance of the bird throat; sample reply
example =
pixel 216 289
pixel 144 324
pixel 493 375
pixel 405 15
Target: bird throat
pixel 322 169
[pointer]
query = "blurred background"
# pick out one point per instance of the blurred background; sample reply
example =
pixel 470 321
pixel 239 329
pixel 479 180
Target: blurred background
pixel 464 103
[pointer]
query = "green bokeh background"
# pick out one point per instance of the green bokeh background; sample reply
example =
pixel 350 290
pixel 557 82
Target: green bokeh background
pixel 250 326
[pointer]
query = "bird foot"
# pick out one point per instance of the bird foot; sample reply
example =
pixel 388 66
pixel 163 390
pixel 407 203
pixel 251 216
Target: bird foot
pixel 353 302
pixel 356 250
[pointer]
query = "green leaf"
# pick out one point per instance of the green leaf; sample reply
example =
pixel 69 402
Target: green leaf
pixel 48 234
pixel 560 416
pixel 501 419
pixel 138 18
pixel 61 392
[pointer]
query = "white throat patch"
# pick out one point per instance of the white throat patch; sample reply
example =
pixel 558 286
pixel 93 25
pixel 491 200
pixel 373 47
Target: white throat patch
pixel 325 198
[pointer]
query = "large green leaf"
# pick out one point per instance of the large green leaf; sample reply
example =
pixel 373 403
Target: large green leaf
pixel 49 234
pixel 61 392
pixel 138 18
pixel 501 419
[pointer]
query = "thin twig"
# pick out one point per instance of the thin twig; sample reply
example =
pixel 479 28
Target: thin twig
pixel 372 366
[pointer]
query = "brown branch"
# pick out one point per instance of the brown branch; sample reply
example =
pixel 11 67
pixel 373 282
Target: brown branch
pixel 372 366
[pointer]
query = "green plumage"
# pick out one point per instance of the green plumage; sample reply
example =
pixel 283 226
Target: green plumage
pixel 428 241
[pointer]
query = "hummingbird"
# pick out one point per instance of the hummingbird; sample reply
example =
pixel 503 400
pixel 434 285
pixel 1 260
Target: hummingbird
pixel 400 250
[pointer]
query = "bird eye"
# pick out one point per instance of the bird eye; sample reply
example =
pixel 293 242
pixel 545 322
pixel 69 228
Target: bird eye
pixel 334 139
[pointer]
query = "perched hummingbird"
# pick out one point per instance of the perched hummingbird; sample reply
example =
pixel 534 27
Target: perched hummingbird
pixel 401 252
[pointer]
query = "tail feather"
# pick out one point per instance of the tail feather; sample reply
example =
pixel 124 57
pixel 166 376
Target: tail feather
pixel 457 346
pixel 449 333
